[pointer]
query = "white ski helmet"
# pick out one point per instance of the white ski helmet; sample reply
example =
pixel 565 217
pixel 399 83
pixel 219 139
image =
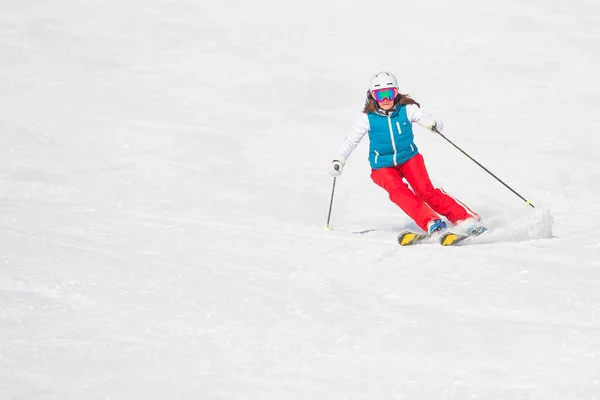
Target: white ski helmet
pixel 383 80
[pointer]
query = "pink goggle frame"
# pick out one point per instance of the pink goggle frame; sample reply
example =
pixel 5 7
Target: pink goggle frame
pixel 385 94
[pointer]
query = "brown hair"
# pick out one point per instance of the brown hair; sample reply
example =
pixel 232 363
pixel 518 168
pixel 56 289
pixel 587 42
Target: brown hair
pixel 371 104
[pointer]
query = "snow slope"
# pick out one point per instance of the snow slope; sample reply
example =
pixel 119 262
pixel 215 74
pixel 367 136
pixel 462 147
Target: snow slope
pixel 163 175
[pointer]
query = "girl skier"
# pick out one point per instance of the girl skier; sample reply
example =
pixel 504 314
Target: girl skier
pixel 387 118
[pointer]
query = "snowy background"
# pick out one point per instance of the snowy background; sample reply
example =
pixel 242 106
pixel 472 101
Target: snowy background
pixel 164 187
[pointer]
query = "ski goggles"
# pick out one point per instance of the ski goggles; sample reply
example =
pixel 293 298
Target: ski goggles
pixel 385 94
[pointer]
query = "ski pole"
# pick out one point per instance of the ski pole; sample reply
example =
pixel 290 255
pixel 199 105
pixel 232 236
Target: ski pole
pixel 327 226
pixel 484 168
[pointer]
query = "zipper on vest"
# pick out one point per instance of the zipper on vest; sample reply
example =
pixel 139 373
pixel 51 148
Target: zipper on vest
pixel 392 139
pixel 376 156
pixel 398 126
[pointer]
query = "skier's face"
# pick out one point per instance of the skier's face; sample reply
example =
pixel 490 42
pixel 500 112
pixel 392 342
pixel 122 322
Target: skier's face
pixel 385 97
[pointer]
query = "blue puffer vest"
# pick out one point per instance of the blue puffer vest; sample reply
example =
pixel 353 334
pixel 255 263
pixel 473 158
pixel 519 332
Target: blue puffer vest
pixel 391 139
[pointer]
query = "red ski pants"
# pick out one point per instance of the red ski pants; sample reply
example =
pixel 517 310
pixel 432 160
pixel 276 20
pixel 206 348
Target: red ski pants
pixel 423 203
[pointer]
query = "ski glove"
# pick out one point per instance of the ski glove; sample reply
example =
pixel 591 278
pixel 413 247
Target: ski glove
pixel 336 167
pixel 429 122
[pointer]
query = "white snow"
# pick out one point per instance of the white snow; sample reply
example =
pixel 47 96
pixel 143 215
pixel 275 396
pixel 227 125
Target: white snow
pixel 164 187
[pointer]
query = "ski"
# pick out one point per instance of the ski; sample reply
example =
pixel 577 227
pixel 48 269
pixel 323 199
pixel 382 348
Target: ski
pixel 411 238
pixel 452 239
